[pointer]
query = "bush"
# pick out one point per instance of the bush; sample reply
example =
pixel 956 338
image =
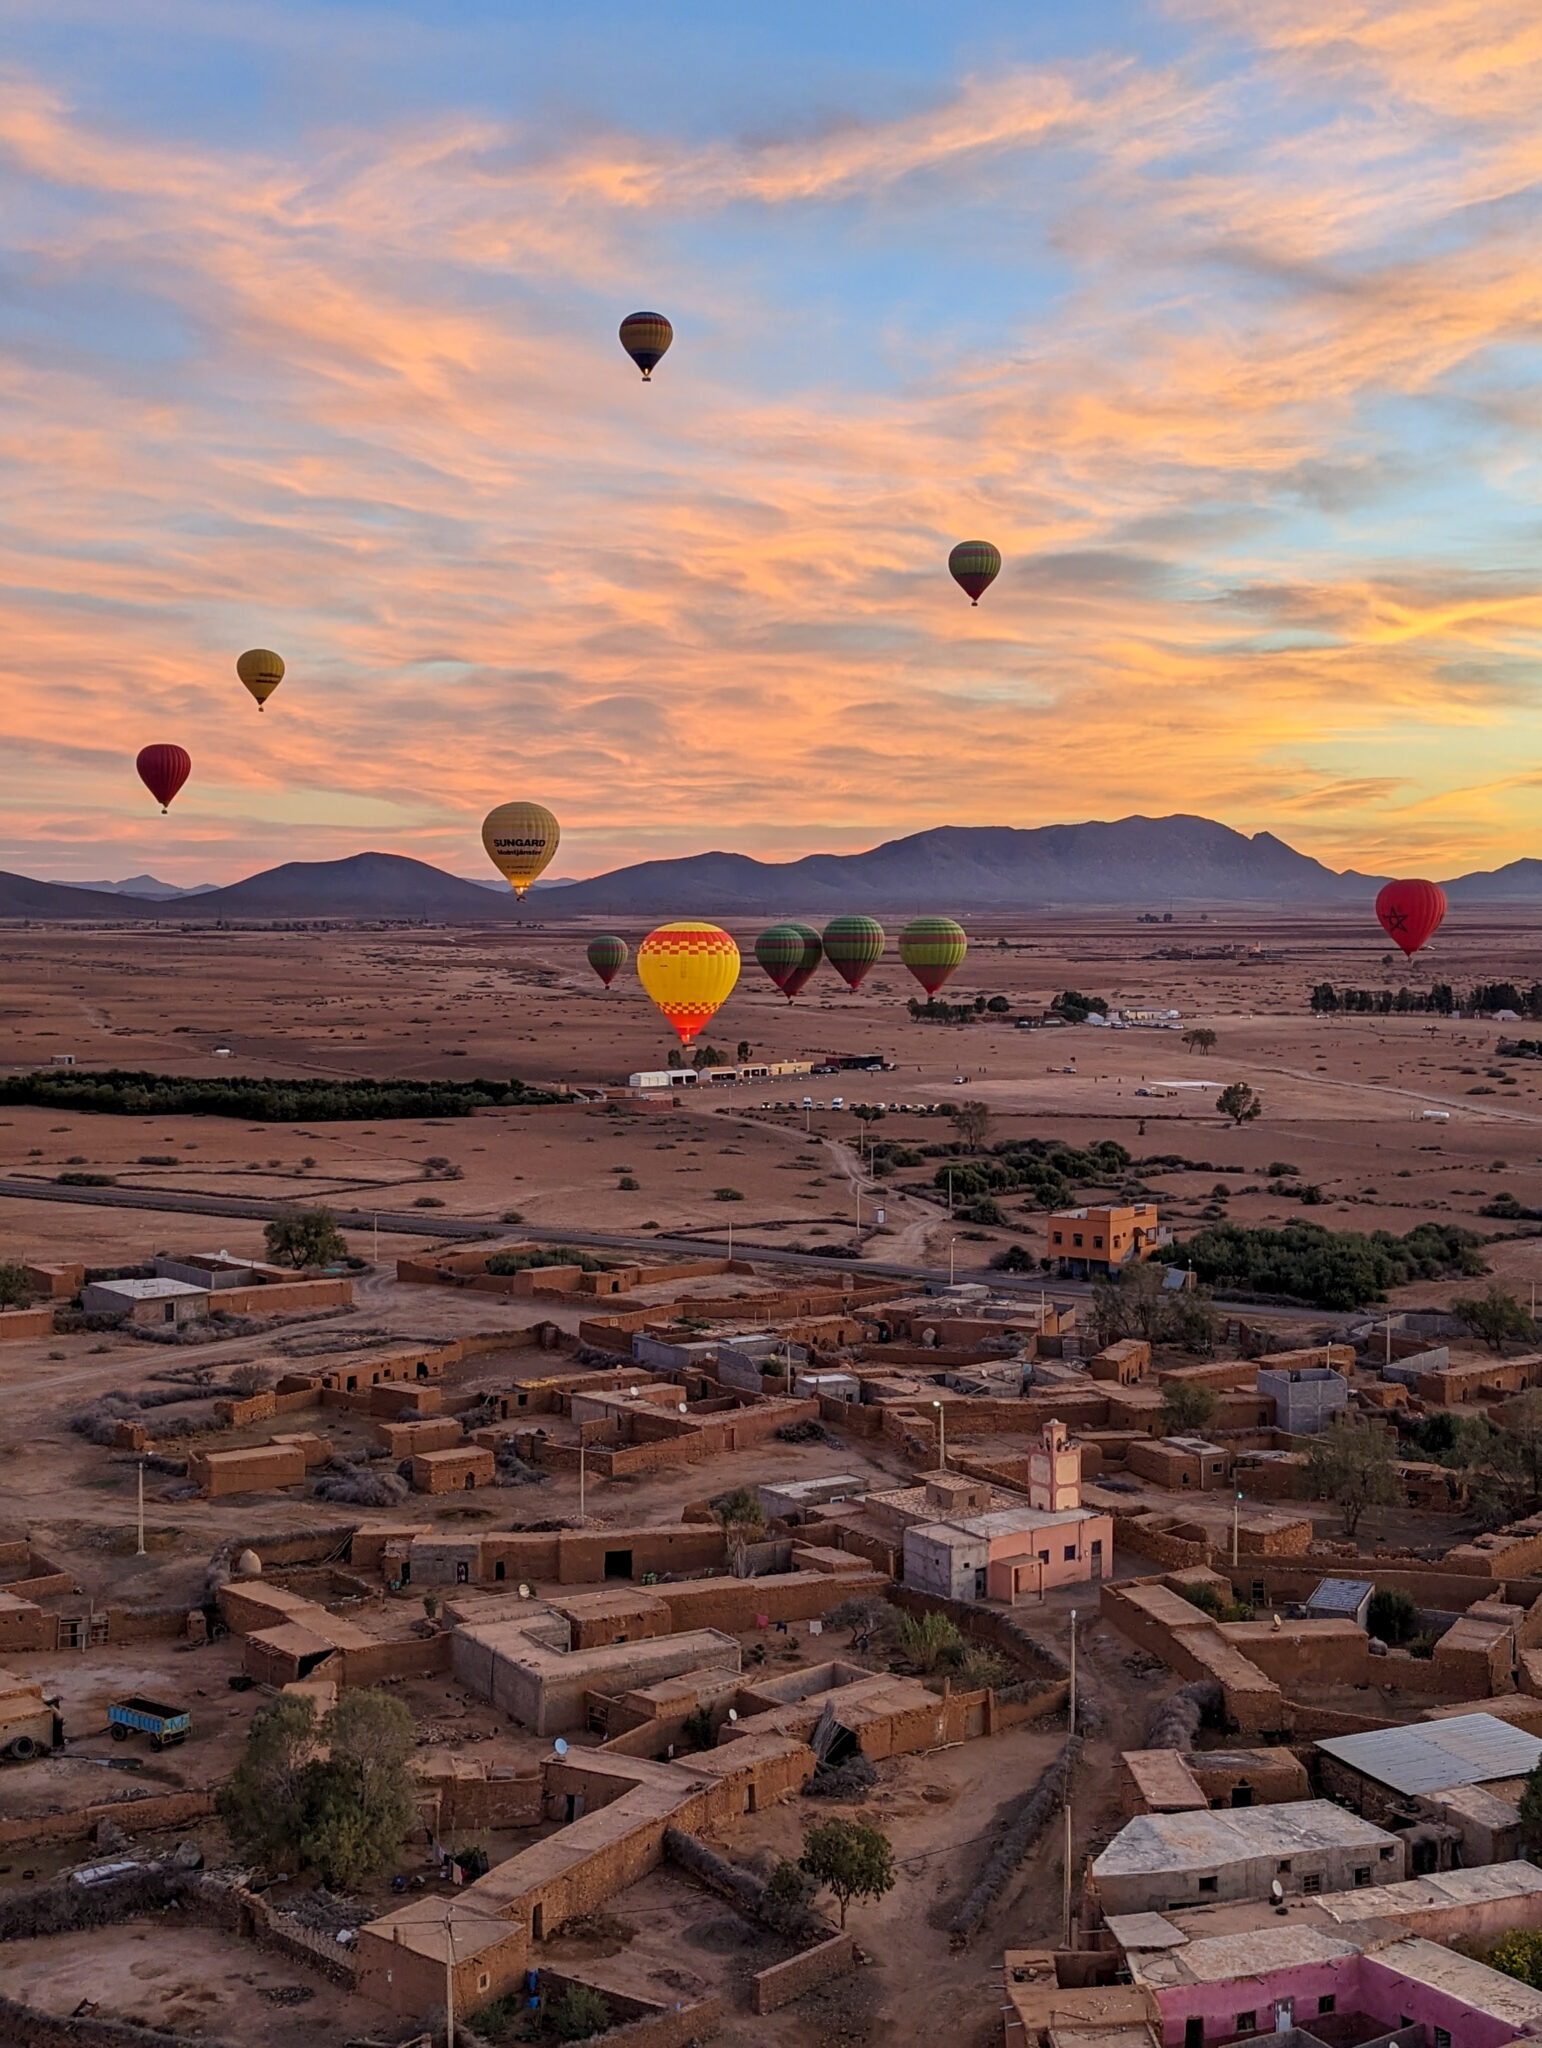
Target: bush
pixel 727 1195
pixel 1014 1260
pixel 1519 1954
pixel 1281 1168
pixel 85 1180
pixel 1330 1269
pixel 1393 1614
pixel 554 1255
pixel 15 1287
pixel 628 1184
pixel 697 1729
pixel 580 2012
pixel 927 1638
pixel 428 1202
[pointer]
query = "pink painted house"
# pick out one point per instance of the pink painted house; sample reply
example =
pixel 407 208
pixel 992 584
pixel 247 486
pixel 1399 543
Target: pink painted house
pixel 1016 1554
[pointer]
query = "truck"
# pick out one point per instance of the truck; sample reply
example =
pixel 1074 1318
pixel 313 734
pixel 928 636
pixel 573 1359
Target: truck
pixel 30 1722
pixel 148 1717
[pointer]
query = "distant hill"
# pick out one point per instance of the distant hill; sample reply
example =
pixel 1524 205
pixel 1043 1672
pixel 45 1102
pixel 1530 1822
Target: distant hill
pixel 145 886
pixel 1143 864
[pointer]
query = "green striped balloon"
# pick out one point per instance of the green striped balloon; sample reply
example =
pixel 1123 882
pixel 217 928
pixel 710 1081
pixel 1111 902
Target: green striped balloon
pixel 790 954
pixel 933 948
pixel 607 955
pixel 851 946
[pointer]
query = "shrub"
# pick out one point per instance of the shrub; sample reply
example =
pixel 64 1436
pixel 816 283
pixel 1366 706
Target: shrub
pixel 1519 1954
pixel 697 1729
pixel 15 1287
pixel 554 1255
pixel 628 1184
pixel 428 1202
pixel 1330 1269
pixel 927 1638
pixel 86 1180
pixel 1393 1614
pixel 727 1195
pixel 580 2012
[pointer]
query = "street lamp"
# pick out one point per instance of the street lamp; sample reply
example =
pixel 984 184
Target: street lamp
pixel 1236 1511
pixel 951 1242
pixel 942 1437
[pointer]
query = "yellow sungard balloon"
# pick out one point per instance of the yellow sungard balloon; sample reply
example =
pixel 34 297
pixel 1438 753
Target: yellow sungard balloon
pixel 520 841
pixel 689 970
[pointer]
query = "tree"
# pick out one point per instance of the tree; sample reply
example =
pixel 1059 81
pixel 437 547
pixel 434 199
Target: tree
pixel 358 1803
pixel 305 1237
pixel 260 1802
pixel 1187 1406
pixel 850 1859
pixel 972 1120
pixel 1351 1463
pixel 743 1052
pixel 928 1637
pixel 789 1887
pixel 741 1518
pixel 1529 1807
pixel 15 1287
pixel 580 2013
pixel 1495 1317
pixel 1238 1101
pixel 1201 1039
pixel 1519 1953
pixel 1393 1615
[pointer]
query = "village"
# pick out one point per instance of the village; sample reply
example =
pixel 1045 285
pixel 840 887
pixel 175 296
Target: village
pixel 669 1566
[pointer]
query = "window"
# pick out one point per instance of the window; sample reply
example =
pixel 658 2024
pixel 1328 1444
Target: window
pixel 1258 1592
pixel 1209 1884
pixel 1327 2003
pixel 1043 1557
pixel 1284 1868
pixel 1076 1238
pixel 1060 1237
pixel 1386 1855
pixel 1070 1553
pixel 1363 1873
pixel 1098 1242
pixel 1312 1882
pixel 483 1981
pixel 1442 2038
pixel 1247 2023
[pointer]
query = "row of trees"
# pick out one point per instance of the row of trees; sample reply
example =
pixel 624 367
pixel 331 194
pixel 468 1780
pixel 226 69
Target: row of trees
pixel 1334 1269
pixel 1440 1000
pixel 121 1092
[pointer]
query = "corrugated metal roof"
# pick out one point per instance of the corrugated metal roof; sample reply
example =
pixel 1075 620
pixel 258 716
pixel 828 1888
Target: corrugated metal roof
pixel 1340 1596
pixel 1432 1756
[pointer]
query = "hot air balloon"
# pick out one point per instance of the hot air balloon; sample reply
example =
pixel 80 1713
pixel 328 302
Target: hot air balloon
pixel 790 954
pixel 520 841
pixel 607 956
pixel 646 338
pixel 933 948
pixel 163 770
pixel 851 945
pixel 262 671
pixel 1410 913
pixel 974 566
pixel 689 970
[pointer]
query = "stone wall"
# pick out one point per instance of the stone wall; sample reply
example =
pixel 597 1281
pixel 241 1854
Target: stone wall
pixel 778 1986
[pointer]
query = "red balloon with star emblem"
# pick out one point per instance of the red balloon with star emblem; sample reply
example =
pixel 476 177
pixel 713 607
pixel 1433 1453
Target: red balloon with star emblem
pixel 1410 913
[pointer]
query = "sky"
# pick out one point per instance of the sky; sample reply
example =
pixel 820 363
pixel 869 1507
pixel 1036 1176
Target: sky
pixel 1223 322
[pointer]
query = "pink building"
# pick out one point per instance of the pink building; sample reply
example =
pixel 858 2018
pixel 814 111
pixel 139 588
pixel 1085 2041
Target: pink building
pixel 1013 1554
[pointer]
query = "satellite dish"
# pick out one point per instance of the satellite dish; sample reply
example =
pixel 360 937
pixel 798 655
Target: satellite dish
pixel 524 1592
pixel 560 1746
pixel 1276 1891
pixel 733 1713
pixel 682 1408
pixel 633 1392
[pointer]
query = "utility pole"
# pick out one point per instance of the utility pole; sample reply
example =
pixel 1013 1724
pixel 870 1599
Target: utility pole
pixel 950 1194
pixel 1069 1852
pixel 141 1550
pixel 1236 1511
pixel 951 1242
pixel 1072 1705
pixel 942 1437
pixel 449 1980
pixel 377 1237
pixel 580 1476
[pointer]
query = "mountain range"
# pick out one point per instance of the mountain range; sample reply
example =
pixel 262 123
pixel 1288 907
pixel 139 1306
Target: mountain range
pixel 1144 864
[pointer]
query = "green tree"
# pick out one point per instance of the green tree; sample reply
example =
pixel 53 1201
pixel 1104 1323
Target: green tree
pixel 1238 1101
pixel 305 1237
pixel 1351 1463
pixel 1529 1806
pixel 1187 1406
pixel 1200 1040
pixel 741 1518
pixel 1519 1953
pixel 358 1801
pixel 1496 1317
pixel 1393 1614
pixel 579 2013
pixel 789 1887
pixel 15 1287
pixel 927 1638
pixel 260 1802
pixel 972 1121
pixel 850 1858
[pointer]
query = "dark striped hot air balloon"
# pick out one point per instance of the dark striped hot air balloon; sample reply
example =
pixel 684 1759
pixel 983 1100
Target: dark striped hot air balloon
pixel 790 954
pixel 607 955
pixel 974 566
pixel 851 946
pixel 646 338
pixel 163 770
pixel 933 948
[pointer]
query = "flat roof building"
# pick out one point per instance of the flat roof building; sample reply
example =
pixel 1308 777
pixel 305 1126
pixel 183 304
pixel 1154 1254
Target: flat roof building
pixel 1161 1860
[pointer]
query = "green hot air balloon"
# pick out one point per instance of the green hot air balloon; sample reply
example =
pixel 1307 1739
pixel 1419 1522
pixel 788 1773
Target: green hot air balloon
pixel 974 566
pixel 607 955
pixel 790 954
pixel 933 948
pixel 851 945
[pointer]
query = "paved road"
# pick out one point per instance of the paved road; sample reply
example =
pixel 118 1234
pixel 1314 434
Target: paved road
pixel 468 1229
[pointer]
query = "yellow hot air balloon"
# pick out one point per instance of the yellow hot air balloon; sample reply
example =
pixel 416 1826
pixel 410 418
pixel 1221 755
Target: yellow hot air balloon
pixel 520 840
pixel 262 671
pixel 689 970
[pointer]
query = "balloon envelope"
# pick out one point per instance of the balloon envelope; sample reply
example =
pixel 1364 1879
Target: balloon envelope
pixel 851 946
pixel 520 841
pixel 790 954
pixel 262 671
pixel 163 770
pixel 933 948
pixel 607 956
pixel 646 338
pixel 1410 913
pixel 975 565
pixel 689 969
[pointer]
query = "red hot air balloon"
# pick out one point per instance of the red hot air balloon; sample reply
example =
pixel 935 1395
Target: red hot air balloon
pixel 163 770
pixel 1410 913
